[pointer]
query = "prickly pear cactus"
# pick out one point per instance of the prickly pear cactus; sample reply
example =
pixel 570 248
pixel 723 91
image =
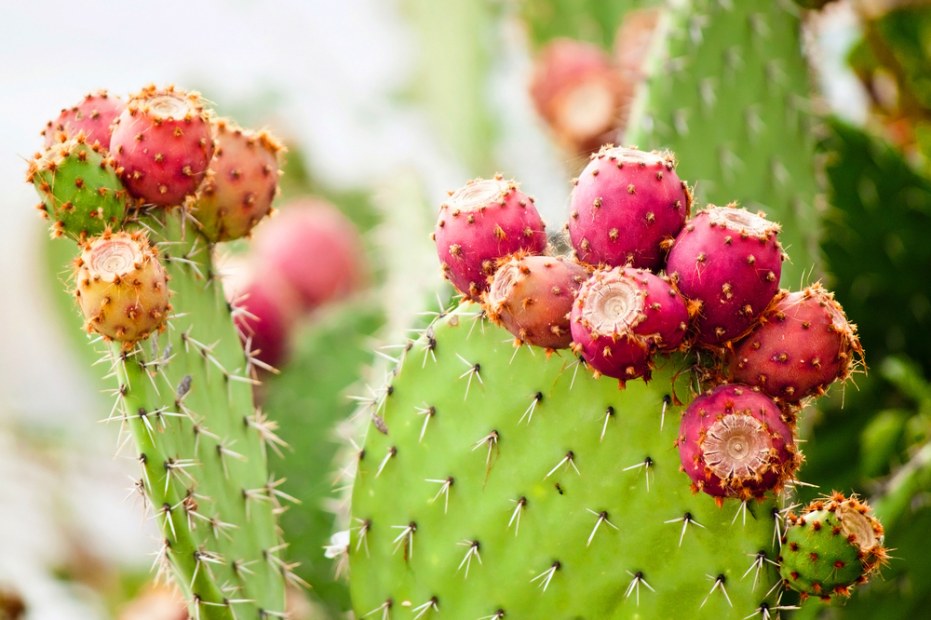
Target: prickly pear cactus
pixel 509 482
pixel 183 384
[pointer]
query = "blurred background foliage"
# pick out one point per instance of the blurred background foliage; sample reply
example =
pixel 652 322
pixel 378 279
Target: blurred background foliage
pixel 466 84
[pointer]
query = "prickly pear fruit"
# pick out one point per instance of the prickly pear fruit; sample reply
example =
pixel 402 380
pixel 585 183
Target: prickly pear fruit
pixel 265 310
pixel 627 207
pixel 578 92
pixel 93 117
pixel 163 143
pixel 531 297
pixel 802 345
pixel 121 287
pixel 241 183
pixel 834 544
pixel 729 260
pixel 80 190
pixel 480 223
pixel 733 442
pixel 619 320
pixel 315 249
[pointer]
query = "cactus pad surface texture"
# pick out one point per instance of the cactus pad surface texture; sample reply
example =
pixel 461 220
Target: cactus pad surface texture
pixel 500 482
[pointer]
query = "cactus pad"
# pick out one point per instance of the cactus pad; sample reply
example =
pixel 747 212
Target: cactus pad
pixel 499 482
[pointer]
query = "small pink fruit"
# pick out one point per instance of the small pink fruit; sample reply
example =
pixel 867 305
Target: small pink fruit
pixel 93 117
pixel 578 92
pixel 803 344
pixel 733 442
pixel 620 318
pixel 163 143
pixel 265 310
pixel 531 296
pixel 626 208
pixel 481 223
pixel 241 183
pixel 314 248
pixel 729 260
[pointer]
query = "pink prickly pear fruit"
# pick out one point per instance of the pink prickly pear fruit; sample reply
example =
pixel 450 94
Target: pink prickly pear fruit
pixel 240 184
pixel 93 117
pixel 734 442
pixel 481 223
pixel 163 143
pixel 265 309
pixel 728 261
pixel 803 344
pixel 121 287
pixel 578 92
pixel 631 45
pixel 665 312
pixel 626 208
pixel 531 297
pixel 315 249
pixel 620 318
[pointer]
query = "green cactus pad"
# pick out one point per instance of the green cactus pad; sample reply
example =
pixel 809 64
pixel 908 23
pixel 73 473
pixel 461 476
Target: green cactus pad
pixel 80 190
pixel 835 544
pixel 496 481
pixel 186 397
pixel 726 91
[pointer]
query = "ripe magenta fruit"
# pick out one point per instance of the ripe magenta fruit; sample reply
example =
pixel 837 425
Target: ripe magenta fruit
pixel 578 92
pixel 729 260
pixel 265 310
pixel 626 208
pixel 93 117
pixel 241 183
pixel 479 224
pixel 121 287
pixel 802 345
pixel 531 296
pixel 621 317
pixel 733 442
pixel 163 142
pixel 314 248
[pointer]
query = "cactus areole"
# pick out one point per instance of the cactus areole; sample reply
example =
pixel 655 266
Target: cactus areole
pixel 481 223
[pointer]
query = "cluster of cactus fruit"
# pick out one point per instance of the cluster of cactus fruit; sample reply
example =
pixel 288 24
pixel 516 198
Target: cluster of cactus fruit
pixel 146 187
pixel 501 466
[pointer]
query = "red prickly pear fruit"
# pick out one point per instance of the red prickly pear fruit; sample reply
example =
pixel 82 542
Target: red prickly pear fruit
pixel 626 208
pixel 802 345
pixel 163 143
pixel 616 325
pixel 481 223
pixel 531 296
pixel 265 309
pixel 665 311
pixel 734 442
pixel 578 93
pixel 316 250
pixel 121 287
pixel 93 117
pixel 729 261
pixel 240 184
